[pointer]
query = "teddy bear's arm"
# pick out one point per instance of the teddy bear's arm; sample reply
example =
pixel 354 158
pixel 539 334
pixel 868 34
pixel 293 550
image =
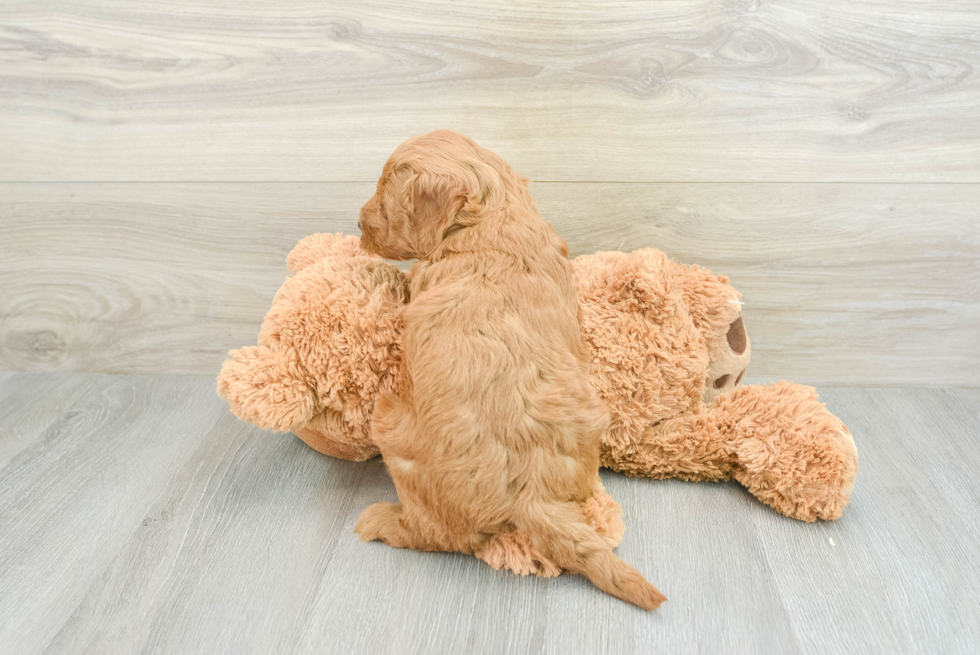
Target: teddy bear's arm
pixel 268 387
pixel 778 440
pixel 689 447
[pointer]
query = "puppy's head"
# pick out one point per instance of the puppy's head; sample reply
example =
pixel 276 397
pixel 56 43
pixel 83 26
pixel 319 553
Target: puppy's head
pixel 431 187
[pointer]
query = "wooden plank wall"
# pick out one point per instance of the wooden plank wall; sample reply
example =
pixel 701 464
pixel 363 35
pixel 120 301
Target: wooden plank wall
pixel 158 161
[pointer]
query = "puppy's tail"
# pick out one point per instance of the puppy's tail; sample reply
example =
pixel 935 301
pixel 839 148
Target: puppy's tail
pixel 574 545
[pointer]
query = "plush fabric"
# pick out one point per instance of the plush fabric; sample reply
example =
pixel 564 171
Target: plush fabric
pixel 669 351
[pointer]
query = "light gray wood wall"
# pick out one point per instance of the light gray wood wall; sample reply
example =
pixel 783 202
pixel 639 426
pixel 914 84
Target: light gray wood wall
pixel 157 161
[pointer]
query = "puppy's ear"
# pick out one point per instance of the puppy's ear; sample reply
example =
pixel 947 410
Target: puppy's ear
pixel 437 204
pixel 444 203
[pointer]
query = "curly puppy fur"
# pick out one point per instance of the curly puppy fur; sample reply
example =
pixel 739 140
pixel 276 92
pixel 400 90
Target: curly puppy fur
pixel 495 427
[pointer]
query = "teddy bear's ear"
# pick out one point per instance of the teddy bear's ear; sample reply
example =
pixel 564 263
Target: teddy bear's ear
pixel 317 246
pixel 713 302
pixel 267 386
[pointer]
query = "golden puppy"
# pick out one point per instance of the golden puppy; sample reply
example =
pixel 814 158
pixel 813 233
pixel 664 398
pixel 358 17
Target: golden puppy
pixel 495 427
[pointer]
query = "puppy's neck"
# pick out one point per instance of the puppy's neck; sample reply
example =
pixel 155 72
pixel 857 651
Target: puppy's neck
pixel 515 227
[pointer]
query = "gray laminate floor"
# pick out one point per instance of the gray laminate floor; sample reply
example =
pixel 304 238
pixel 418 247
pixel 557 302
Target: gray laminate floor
pixel 138 515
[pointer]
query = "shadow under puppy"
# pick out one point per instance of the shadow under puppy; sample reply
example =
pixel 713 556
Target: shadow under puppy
pixel 494 427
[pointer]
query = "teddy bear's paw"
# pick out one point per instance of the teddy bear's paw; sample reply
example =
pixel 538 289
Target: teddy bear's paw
pixel 516 552
pixel 267 387
pixel 802 461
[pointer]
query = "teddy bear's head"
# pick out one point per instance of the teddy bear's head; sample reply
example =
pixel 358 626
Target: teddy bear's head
pixel 327 348
pixel 663 336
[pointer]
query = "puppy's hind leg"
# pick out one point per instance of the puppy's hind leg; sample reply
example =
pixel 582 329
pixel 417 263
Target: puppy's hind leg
pixel 381 521
pixel 399 528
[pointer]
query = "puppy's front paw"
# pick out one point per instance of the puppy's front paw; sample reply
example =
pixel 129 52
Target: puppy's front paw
pixel 379 521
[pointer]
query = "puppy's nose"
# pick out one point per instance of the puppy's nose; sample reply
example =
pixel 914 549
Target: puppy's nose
pixel 358 225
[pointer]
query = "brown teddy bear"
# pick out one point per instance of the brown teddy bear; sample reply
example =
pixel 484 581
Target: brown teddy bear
pixel 669 351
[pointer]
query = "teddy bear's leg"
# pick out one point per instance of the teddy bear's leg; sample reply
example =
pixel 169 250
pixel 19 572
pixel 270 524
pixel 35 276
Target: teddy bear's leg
pixel 329 433
pixel 777 440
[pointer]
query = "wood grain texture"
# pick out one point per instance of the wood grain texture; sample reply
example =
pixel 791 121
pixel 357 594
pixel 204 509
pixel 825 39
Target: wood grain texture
pixel 843 284
pixel 35 406
pixel 710 90
pixel 70 499
pixel 899 549
pixel 150 520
